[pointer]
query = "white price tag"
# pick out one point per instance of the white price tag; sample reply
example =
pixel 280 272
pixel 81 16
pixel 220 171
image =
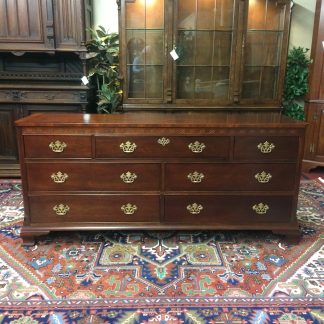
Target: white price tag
pixel 84 80
pixel 323 43
pixel 174 55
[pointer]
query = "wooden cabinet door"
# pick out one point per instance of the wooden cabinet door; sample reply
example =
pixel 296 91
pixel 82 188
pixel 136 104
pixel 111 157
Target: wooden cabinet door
pixel 71 19
pixel 314 147
pixel 8 146
pixel 26 25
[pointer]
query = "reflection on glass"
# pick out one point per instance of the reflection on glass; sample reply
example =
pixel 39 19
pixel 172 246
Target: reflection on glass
pixel 203 82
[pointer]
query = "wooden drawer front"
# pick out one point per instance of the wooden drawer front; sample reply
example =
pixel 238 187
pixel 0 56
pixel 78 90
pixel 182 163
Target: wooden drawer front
pixel 94 208
pixel 266 148
pixel 155 147
pixel 235 176
pixel 229 209
pixel 57 146
pixel 65 176
pixel 64 97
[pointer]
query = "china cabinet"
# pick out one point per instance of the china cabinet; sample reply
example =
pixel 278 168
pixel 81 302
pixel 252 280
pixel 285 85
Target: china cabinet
pixel 42 60
pixel 314 148
pixel 203 54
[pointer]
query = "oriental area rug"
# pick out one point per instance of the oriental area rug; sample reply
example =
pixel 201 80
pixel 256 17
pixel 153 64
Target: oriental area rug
pixel 163 277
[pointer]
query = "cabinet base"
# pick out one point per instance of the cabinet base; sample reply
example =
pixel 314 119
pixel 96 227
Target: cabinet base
pixel 9 170
pixel 30 234
pixel 308 165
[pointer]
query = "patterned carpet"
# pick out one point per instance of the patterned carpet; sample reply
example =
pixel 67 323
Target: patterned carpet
pixel 162 277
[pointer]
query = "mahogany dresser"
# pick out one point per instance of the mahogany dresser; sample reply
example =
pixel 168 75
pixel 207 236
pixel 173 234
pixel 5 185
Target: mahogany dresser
pixel 145 170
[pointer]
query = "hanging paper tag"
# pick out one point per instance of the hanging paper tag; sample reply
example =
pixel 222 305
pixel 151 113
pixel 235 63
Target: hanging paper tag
pixel 84 80
pixel 323 43
pixel 174 54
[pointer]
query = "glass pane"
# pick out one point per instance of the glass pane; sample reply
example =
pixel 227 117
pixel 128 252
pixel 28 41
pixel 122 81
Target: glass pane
pixel 187 14
pixel 211 82
pixel 265 14
pixel 153 82
pixel 154 14
pixel 263 48
pixel 275 16
pixel 186 47
pixel 135 44
pixel 154 53
pixel 135 15
pixel 136 81
pixel 185 82
pixel 206 14
pixel 251 82
pixel 260 82
pixel 257 14
pixel 222 48
pixel 224 14
pixel 221 79
pixel 204 48
pixel 204 84
pixel 269 79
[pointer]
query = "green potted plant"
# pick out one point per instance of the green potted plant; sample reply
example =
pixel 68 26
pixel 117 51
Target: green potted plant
pixel 103 62
pixel 296 82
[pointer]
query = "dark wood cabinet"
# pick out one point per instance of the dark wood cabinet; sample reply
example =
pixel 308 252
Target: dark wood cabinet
pixel 314 107
pixel 44 25
pixel 42 61
pixel 203 54
pixel 160 171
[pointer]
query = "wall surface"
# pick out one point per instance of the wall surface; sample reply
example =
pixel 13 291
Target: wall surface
pixel 106 14
pixel 302 21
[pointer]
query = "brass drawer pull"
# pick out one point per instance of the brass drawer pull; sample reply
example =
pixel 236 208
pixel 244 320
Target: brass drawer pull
pixel 195 208
pixel 163 141
pixel 195 177
pixel 59 177
pixel 197 147
pixel 61 209
pixel 263 177
pixel 57 146
pixel 129 209
pixel 266 147
pixel 261 208
pixel 128 177
pixel 128 147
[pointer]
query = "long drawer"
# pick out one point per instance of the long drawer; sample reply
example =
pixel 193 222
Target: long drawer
pixel 227 209
pixel 159 147
pixel 77 176
pixel 94 208
pixel 234 176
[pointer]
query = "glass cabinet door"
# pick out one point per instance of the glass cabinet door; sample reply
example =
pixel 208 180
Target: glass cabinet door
pixel 144 22
pixel 204 42
pixel 264 46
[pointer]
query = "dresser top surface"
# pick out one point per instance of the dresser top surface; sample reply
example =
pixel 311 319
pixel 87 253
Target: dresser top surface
pixel 152 119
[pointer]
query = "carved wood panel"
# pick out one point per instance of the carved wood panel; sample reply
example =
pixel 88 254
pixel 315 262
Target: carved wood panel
pixel 26 24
